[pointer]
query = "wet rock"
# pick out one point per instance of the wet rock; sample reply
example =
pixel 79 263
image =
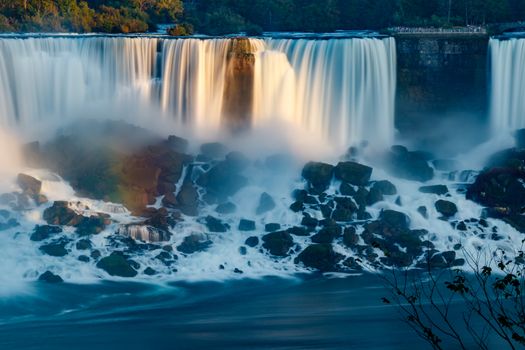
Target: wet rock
pixel 144 232
pixel 272 227
pixel 461 226
pixel 84 258
pixel 10 223
pixel 266 204
pixel 409 165
pixel 95 254
pixel 353 173
pixel 327 234
pixel 117 265
pixel 319 256
pixel 57 249
pixel 29 184
pixel 148 271
pixel 92 225
pixel 434 189
pixel 222 181
pixel 423 211
pixel 278 243
pixel 309 221
pixel 318 176
pixel 170 200
pixel 188 199
pixel 350 237
pixel 385 187
pixel 43 232
pixel 298 231
pixel 166 187
pixel 374 196
pixel 84 244
pixel 246 225
pixel 446 208
pixel 237 161
pixel 216 225
pixel 252 241
pixel 61 214
pixel 499 187
pixel 395 219
pixel 297 207
pixel 50 277
pixel 243 250
pixel 194 243
pixel 226 208
pixel 352 264
pixel 214 150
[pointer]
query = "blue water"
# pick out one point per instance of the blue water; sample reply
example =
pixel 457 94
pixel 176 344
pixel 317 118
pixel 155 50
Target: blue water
pixel 316 313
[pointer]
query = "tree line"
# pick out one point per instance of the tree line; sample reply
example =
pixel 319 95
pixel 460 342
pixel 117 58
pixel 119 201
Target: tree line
pixel 252 16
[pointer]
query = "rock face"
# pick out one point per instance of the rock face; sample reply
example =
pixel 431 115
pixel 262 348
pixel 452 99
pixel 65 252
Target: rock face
pixel 29 184
pixel 238 90
pixel 353 173
pixel 222 181
pixel 61 214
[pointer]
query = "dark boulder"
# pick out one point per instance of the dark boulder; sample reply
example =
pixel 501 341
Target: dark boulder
pixel 350 237
pixel 446 208
pixel 374 196
pixel 298 231
pixel 318 176
pixel 226 208
pixel 61 214
pixel 177 144
pixel 395 219
pixel 57 249
pixel 319 256
pixel 43 232
pixel 222 181
pixel 278 243
pixel 188 199
pixel 50 277
pixel 353 173
pixel 194 243
pixel 92 225
pixel 117 265
pixel 385 187
pixel 434 189
pixel 246 225
pixel 272 227
pixel 84 244
pixel 499 187
pixel 216 225
pixel 213 150
pixel 266 204
pixel 252 241
pixel 327 234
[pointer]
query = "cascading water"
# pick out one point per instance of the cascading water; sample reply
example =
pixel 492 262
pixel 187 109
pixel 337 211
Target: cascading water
pixel 508 84
pixel 341 89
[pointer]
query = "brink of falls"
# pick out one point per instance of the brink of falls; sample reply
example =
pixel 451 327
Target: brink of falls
pixel 340 89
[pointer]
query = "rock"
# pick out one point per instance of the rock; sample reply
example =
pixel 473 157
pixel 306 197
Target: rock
pixel 409 165
pixel 266 204
pixel 216 225
pixel 319 256
pixel 278 243
pixel 327 234
pixel 117 265
pixel 252 241
pixel 144 232
pixel 61 214
pixel 57 249
pixel 318 176
pixel 341 214
pixel 149 271
pixel 237 161
pixel 84 258
pixel 222 181
pixel 188 199
pixel 92 225
pixel 423 211
pixel 43 232
pixel 246 225
pixel 446 208
pixel 353 173
pixel 165 187
pixel 499 187
pixel 445 164
pixel 350 237
pixel 177 143
pixel 298 231
pixel 519 136
pixel 309 221
pixel 434 189
pixel 170 200
pixel 297 206
pixel 461 226
pixel 374 196
pixel 395 219
pixel 226 208
pixel 84 244
pixel 50 277
pixel 385 187
pixel 194 243
pixel 29 184
pixel 9 224
pixel 214 150
pixel 272 227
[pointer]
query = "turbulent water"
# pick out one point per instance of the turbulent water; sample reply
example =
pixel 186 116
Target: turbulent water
pixel 342 89
pixel 507 58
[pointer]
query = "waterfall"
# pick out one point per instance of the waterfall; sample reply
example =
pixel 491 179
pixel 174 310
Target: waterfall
pixel 508 84
pixel 342 89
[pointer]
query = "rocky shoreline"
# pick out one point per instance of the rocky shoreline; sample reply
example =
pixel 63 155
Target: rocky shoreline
pixel 163 186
